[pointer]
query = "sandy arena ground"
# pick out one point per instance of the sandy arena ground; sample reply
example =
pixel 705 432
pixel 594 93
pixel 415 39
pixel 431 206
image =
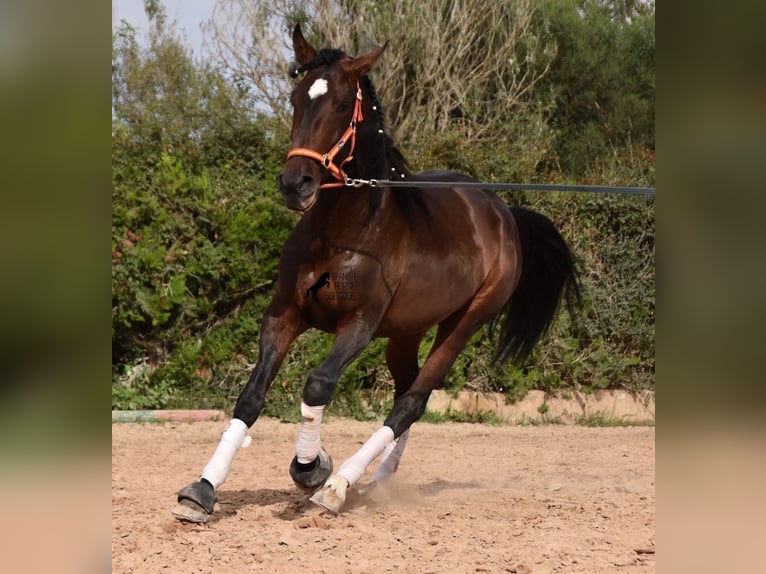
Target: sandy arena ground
pixel 467 498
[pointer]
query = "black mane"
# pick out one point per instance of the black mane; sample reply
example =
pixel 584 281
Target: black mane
pixel 325 57
pixel 328 57
pixel 395 158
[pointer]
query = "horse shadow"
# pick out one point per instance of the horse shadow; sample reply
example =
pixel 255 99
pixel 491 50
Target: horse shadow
pixel 439 485
pixel 289 503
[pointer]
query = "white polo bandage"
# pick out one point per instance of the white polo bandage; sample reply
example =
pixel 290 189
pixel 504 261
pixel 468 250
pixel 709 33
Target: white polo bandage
pixel 353 468
pixel 391 457
pixel 233 437
pixel 309 442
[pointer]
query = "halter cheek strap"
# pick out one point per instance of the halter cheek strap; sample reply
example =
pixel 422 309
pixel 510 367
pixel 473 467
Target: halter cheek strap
pixel 327 159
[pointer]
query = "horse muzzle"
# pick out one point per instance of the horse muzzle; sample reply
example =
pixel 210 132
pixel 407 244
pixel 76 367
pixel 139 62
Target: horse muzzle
pixel 299 190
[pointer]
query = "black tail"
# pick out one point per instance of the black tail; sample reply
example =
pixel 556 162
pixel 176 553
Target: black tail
pixel 548 273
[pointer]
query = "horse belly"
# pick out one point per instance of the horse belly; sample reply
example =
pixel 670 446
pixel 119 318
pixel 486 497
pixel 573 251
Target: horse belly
pixel 426 297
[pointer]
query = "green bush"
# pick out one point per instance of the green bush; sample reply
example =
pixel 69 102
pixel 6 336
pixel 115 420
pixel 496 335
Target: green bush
pixel 197 225
pixel 602 79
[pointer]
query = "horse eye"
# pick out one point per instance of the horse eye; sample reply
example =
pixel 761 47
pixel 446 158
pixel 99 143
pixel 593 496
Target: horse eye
pixel 341 106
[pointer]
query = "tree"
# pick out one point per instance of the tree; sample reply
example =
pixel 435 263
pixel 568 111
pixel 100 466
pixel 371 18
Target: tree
pixel 603 81
pixel 465 65
pixel 164 101
pixel 196 220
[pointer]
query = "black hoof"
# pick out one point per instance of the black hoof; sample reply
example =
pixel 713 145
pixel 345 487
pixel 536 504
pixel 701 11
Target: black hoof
pixel 195 502
pixel 310 480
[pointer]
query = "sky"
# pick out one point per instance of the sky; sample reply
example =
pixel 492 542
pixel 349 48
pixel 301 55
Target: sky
pixel 187 14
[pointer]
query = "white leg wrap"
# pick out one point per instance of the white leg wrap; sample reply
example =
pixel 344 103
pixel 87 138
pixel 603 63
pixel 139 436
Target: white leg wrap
pixel 309 442
pixel 391 457
pixel 353 468
pixel 233 437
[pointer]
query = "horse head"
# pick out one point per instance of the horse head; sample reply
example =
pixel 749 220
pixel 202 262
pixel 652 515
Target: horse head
pixel 328 108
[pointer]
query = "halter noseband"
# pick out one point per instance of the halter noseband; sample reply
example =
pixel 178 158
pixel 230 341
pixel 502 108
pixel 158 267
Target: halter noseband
pixel 327 159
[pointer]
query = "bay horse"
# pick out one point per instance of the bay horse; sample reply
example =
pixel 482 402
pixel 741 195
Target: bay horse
pixel 392 262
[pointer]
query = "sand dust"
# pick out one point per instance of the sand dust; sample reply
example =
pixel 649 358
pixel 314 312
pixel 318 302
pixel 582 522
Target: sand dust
pixel 467 498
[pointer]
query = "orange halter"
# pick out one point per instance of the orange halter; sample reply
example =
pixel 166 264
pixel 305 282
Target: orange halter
pixel 327 159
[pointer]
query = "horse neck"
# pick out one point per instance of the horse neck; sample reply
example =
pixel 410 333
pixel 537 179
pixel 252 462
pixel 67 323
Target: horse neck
pixel 370 158
pixel 375 157
pixel 345 216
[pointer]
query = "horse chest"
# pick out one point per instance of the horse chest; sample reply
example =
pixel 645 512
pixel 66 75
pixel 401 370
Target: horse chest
pixel 328 289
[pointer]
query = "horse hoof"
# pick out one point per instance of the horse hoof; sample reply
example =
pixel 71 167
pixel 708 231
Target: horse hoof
pixel 195 502
pixel 190 512
pixel 332 495
pixel 314 478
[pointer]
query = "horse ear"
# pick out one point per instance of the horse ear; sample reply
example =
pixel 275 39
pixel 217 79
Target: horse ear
pixel 363 64
pixel 304 52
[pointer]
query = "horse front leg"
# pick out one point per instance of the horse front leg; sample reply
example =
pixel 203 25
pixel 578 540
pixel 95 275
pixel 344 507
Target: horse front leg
pixel 312 465
pixel 281 325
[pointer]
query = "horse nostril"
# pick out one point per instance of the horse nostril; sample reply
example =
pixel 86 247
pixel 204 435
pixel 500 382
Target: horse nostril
pixel 296 184
pixel 305 185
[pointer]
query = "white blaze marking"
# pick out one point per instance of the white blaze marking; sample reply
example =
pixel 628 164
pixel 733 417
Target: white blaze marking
pixel 318 88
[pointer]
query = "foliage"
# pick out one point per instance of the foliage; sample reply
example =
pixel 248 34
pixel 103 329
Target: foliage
pixel 477 417
pixel 197 223
pixel 468 66
pixel 603 419
pixel 602 79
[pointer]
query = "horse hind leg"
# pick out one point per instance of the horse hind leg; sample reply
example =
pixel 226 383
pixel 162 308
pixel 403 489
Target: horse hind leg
pixel 451 338
pixel 402 361
pixel 332 495
pixel 389 460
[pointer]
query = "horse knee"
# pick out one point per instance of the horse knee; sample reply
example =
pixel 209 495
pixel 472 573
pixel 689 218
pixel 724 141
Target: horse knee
pixel 249 406
pixel 318 390
pixel 407 409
